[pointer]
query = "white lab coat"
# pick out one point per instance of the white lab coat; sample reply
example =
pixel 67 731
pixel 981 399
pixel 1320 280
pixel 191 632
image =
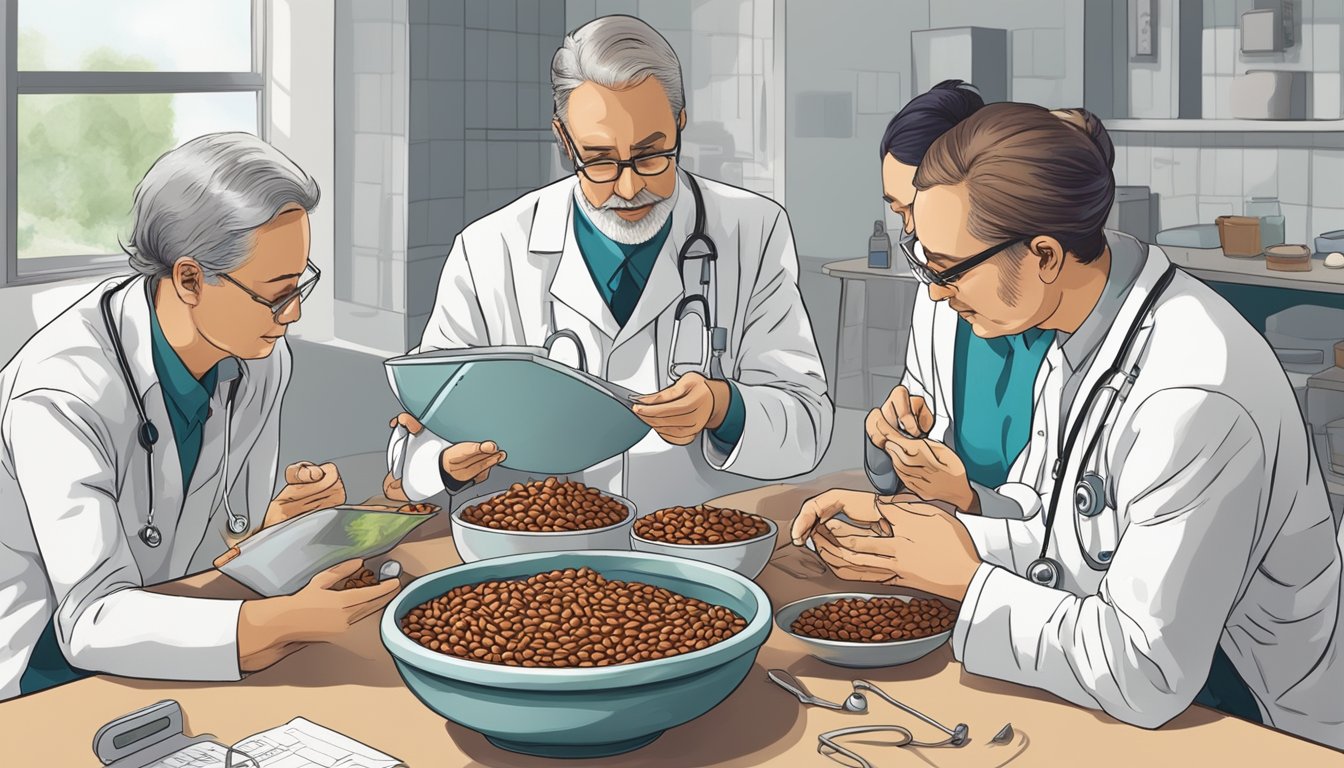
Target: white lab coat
pixel 1228 536
pixel 73 499
pixel 517 275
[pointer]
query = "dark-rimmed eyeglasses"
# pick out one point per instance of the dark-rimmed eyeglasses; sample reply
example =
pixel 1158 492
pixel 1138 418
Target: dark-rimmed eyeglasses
pixel 606 171
pixel 919 261
pixel 307 282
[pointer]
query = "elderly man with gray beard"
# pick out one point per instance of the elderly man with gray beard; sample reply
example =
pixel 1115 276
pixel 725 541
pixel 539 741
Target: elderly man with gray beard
pixel 599 253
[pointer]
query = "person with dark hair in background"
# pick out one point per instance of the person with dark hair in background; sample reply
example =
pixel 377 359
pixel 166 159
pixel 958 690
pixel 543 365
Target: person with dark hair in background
pixel 1165 537
pixel 988 417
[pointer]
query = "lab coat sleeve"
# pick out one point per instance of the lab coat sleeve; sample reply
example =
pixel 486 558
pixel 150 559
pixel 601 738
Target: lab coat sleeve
pixel 104 620
pixel 788 415
pixel 457 322
pixel 1191 473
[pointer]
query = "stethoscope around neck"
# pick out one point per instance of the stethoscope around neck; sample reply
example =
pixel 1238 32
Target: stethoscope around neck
pixel 713 338
pixel 147 435
pixel 1089 492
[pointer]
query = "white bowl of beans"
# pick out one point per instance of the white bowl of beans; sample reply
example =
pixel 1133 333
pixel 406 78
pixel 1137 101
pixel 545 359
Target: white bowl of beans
pixel 853 629
pixel 550 515
pixel 727 538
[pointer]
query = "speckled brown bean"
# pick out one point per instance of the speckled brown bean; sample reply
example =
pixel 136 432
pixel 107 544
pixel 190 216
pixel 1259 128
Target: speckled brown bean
pixel 364 578
pixel 875 620
pixel 614 622
pixel 699 525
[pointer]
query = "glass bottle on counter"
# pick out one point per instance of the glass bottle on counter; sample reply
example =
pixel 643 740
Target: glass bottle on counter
pixel 879 247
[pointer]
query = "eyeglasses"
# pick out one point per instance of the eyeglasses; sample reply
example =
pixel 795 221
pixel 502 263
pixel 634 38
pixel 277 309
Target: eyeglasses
pixel 307 282
pixel 607 171
pixel 919 262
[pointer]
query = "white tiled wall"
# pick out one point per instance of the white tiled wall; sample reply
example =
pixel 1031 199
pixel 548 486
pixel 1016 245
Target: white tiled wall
pixel 1201 176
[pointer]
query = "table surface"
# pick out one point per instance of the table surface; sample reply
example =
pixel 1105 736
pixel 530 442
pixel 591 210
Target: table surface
pixel 1205 263
pixel 352 686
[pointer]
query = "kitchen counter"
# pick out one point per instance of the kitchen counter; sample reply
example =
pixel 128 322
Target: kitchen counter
pixel 1209 264
pixel 352 686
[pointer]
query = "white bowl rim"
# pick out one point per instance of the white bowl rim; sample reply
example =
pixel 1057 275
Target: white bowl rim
pixel 456 518
pixel 547 676
pixel 773 529
pixel 850 644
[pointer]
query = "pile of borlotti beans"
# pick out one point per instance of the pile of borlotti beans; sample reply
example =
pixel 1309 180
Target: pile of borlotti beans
pixel 547 506
pixel 875 620
pixel 567 618
pixel 699 525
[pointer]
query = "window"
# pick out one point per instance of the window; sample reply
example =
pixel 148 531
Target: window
pixel 95 91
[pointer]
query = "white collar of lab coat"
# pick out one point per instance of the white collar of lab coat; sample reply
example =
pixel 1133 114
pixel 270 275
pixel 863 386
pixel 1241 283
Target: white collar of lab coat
pixel 130 308
pixel 1154 264
pixel 1127 260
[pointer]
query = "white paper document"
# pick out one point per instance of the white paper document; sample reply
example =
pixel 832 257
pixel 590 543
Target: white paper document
pixel 297 744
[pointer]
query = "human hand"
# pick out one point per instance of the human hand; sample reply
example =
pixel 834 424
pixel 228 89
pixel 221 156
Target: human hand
pixel 859 506
pixel 900 411
pixel 932 471
pixel 322 610
pixel 272 628
pixel 462 461
pixel 308 486
pixel 927 549
pixel 682 411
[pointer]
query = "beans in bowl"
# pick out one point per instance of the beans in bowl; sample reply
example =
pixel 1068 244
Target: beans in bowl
pixel 875 620
pixel 547 506
pixel 699 525
pixel 567 618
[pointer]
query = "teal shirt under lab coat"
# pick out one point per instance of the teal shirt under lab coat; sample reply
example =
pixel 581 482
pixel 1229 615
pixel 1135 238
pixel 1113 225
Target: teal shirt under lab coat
pixel 620 273
pixel 993 383
pixel 187 399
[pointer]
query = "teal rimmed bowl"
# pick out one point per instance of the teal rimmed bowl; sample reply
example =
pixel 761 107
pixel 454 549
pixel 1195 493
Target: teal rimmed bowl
pixel 581 712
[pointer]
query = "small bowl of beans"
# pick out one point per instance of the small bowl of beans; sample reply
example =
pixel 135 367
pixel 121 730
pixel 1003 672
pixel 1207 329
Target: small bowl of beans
pixel 866 630
pixel 550 515
pixel 727 538
pixel 576 654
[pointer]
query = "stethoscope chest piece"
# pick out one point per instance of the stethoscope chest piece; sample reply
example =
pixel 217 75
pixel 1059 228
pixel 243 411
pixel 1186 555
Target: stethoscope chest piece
pixel 1045 572
pixel 1089 496
pixel 151 536
pixel 237 524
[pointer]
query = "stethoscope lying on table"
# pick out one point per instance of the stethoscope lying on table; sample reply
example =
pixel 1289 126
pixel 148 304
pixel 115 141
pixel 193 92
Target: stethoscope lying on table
pixel 147 434
pixel 713 338
pixel 857 702
pixel 1089 492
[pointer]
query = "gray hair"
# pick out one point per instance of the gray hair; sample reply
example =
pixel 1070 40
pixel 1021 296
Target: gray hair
pixel 615 51
pixel 205 200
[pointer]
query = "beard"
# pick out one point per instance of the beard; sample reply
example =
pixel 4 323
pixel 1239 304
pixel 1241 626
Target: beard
pixel 609 223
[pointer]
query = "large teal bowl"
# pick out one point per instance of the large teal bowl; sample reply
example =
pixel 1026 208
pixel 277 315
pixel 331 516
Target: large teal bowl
pixel 584 712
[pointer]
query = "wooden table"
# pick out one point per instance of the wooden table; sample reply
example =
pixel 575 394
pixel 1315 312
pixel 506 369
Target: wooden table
pixel 874 324
pixel 352 686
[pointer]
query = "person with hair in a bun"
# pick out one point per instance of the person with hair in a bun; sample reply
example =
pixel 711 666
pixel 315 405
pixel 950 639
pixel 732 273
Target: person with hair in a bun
pixel 1165 537
pixel 991 377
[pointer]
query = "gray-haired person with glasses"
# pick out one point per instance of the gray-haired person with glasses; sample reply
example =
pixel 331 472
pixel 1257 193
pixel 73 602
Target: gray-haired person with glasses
pixel 141 439
pixel 678 287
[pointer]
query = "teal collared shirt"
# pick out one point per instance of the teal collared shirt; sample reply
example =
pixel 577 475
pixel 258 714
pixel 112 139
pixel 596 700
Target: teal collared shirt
pixel 620 273
pixel 993 384
pixel 187 399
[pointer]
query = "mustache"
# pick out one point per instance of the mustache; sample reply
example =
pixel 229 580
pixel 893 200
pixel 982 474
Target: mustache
pixel 645 197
